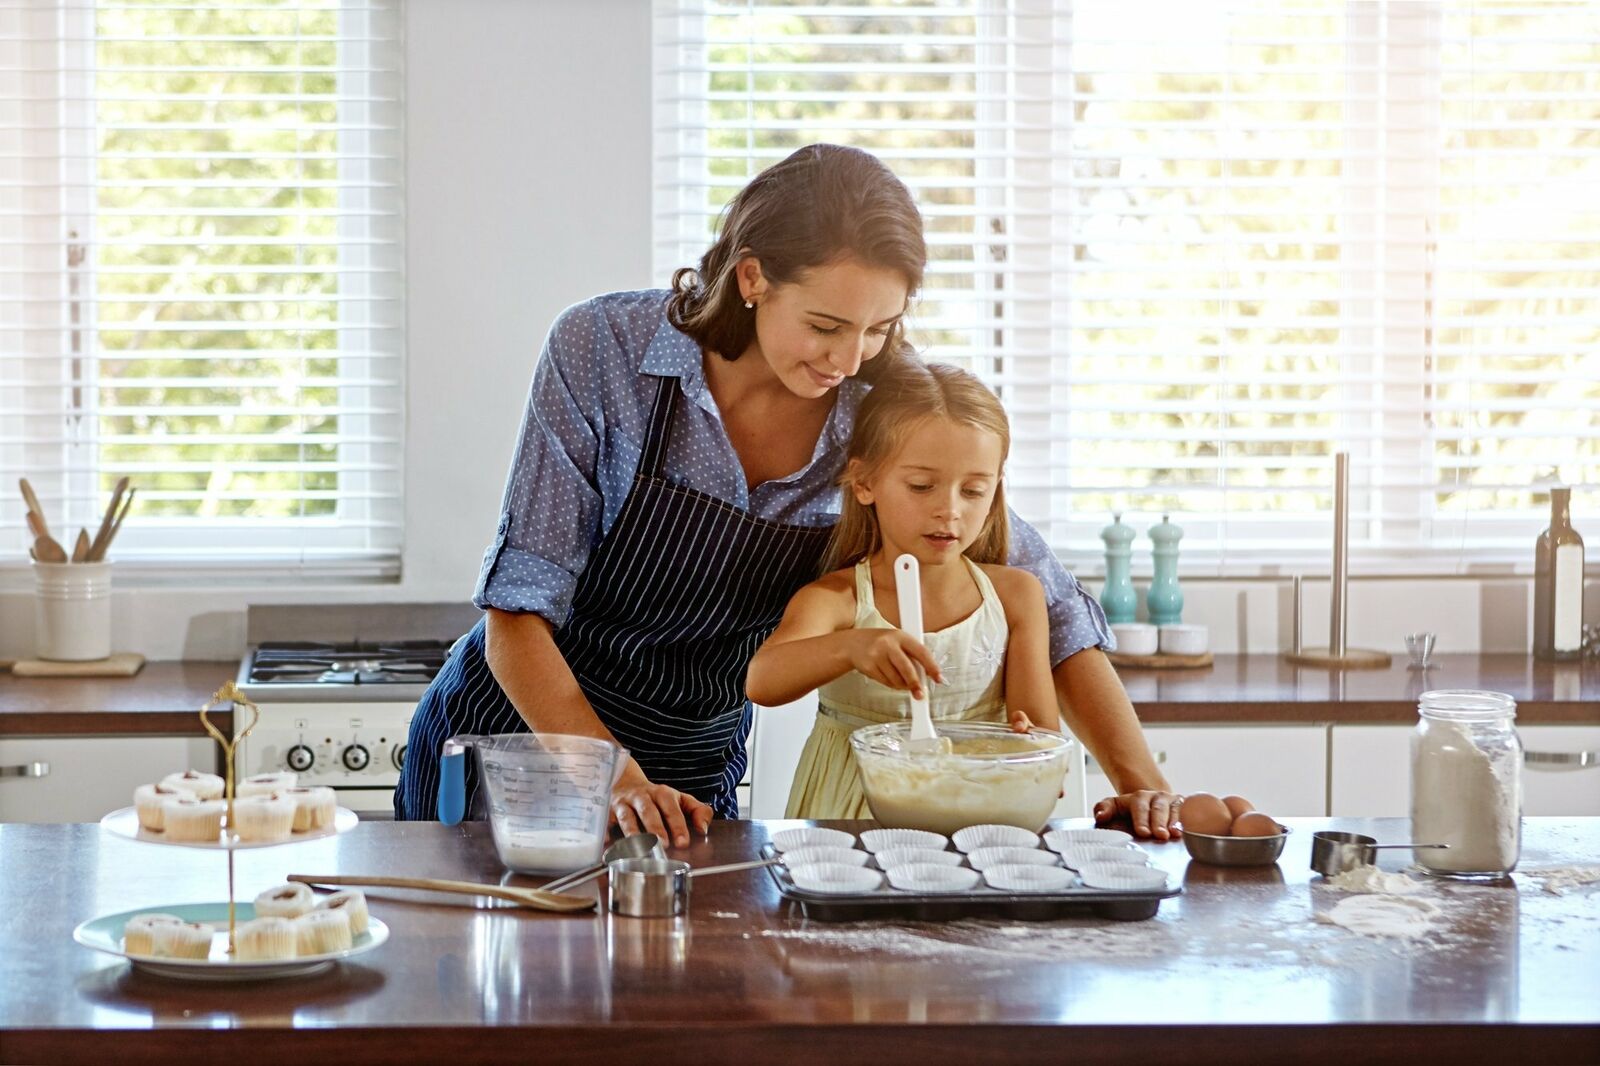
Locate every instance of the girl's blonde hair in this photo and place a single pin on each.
(909, 393)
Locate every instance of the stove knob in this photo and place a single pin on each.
(300, 758)
(399, 756)
(355, 757)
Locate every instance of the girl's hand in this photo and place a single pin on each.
(638, 805)
(1019, 721)
(890, 657)
(1149, 813)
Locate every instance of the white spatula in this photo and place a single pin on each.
(908, 589)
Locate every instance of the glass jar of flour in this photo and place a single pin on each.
(1466, 784)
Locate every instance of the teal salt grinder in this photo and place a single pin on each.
(1118, 599)
(1164, 600)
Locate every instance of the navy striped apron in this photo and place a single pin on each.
(665, 619)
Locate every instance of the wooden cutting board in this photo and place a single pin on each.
(1159, 661)
(122, 664)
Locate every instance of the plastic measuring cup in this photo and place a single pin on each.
(549, 795)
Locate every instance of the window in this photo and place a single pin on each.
(1198, 248)
(200, 226)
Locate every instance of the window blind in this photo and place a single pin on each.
(1198, 248)
(200, 257)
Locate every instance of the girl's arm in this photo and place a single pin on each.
(1030, 695)
(817, 642)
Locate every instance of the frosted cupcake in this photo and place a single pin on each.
(314, 807)
(139, 935)
(286, 901)
(322, 932)
(150, 800)
(262, 784)
(263, 817)
(193, 820)
(264, 938)
(354, 905)
(206, 786)
(181, 940)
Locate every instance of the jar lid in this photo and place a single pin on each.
(1470, 705)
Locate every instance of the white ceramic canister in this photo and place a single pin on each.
(72, 616)
(1466, 783)
(1135, 638)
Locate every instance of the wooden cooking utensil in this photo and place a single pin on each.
(45, 548)
(527, 897)
(98, 553)
(80, 550)
(103, 534)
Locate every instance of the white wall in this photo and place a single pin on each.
(528, 188)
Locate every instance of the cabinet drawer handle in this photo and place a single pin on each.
(27, 769)
(1091, 765)
(1561, 760)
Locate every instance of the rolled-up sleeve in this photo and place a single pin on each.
(551, 512)
(1076, 620)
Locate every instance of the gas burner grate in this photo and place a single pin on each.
(348, 663)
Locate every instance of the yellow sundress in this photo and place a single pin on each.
(971, 654)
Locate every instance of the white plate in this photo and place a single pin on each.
(1028, 878)
(994, 836)
(125, 823)
(105, 934)
(812, 836)
(876, 840)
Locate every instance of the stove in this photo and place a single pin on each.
(336, 686)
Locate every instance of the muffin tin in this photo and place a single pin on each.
(1025, 888)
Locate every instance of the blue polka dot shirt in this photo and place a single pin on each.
(579, 446)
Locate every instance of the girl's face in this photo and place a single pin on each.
(815, 332)
(934, 495)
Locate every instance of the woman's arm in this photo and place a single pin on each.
(1030, 696)
(524, 659)
(817, 642)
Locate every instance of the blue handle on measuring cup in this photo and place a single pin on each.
(452, 786)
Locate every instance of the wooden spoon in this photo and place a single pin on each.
(528, 897)
(80, 550)
(45, 548)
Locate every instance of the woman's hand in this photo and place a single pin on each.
(638, 805)
(891, 657)
(1147, 812)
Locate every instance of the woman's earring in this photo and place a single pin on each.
(749, 306)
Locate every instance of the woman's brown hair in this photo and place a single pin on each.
(908, 393)
(823, 203)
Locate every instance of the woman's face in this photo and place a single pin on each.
(816, 331)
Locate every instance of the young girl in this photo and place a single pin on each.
(922, 477)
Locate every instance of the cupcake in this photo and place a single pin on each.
(286, 901)
(264, 938)
(354, 904)
(261, 784)
(139, 935)
(149, 800)
(181, 940)
(206, 786)
(322, 932)
(313, 807)
(263, 817)
(193, 820)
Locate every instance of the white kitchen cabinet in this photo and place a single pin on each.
(776, 737)
(1372, 770)
(1283, 770)
(78, 779)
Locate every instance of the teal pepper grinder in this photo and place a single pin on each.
(1118, 599)
(1164, 600)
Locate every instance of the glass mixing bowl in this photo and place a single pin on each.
(991, 775)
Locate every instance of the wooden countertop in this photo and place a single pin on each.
(164, 696)
(1235, 969)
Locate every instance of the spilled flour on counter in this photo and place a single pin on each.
(1559, 880)
(1382, 915)
(1372, 879)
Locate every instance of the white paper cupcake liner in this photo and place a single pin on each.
(819, 853)
(1121, 877)
(811, 836)
(926, 877)
(876, 840)
(1061, 839)
(994, 836)
(1077, 858)
(1010, 877)
(888, 860)
(836, 879)
(983, 858)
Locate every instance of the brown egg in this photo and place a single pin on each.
(1205, 814)
(1254, 824)
(1238, 805)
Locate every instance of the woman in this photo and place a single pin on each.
(675, 483)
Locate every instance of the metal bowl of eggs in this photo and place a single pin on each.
(1229, 831)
